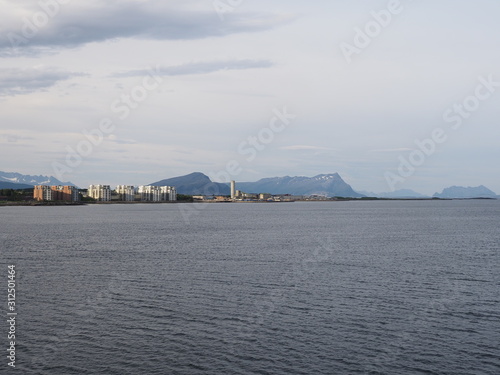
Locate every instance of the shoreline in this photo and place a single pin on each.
(369, 199)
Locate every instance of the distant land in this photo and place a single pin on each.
(195, 183)
(399, 194)
(466, 192)
(14, 180)
(328, 185)
(11, 185)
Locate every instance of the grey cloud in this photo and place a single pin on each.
(15, 81)
(76, 24)
(199, 68)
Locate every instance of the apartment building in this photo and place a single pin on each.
(157, 193)
(56, 193)
(101, 193)
(169, 193)
(42, 193)
(125, 193)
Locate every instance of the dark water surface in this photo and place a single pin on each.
(404, 287)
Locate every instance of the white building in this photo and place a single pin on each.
(233, 189)
(149, 193)
(157, 193)
(169, 193)
(126, 193)
(101, 193)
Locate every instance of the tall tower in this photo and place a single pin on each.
(233, 189)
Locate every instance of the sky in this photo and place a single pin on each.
(395, 94)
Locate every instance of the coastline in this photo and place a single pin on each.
(333, 200)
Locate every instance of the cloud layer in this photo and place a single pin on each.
(15, 81)
(200, 68)
(29, 28)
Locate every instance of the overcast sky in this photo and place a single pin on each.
(179, 86)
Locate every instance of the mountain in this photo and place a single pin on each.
(330, 185)
(11, 185)
(397, 194)
(18, 178)
(466, 192)
(195, 184)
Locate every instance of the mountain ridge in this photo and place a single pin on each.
(30, 180)
(323, 184)
(198, 183)
(14, 186)
(463, 192)
(195, 183)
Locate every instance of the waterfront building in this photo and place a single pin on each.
(233, 189)
(288, 197)
(125, 193)
(157, 193)
(149, 193)
(247, 196)
(222, 198)
(42, 193)
(101, 193)
(169, 193)
(55, 193)
(65, 193)
(203, 197)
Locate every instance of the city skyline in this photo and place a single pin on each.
(308, 185)
(138, 91)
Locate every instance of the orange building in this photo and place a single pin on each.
(55, 193)
(42, 193)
